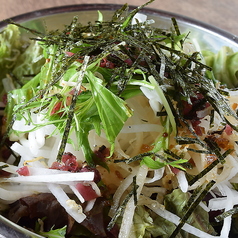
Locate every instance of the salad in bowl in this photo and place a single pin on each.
(118, 128)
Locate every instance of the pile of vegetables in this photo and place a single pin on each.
(118, 129)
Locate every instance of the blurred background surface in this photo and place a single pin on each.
(219, 13)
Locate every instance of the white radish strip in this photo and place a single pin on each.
(204, 207)
(182, 181)
(135, 141)
(158, 173)
(36, 171)
(22, 151)
(67, 83)
(11, 196)
(175, 219)
(234, 179)
(119, 150)
(54, 150)
(24, 141)
(11, 159)
(90, 205)
(95, 188)
(22, 126)
(10, 168)
(126, 226)
(76, 192)
(148, 191)
(150, 93)
(36, 140)
(217, 203)
(31, 145)
(119, 192)
(52, 178)
(26, 187)
(141, 128)
(140, 17)
(71, 207)
(234, 197)
(127, 220)
(229, 171)
(229, 205)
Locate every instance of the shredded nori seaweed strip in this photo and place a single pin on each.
(197, 139)
(177, 30)
(212, 118)
(135, 187)
(71, 113)
(187, 140)
(210, 167)
(216, 150)
(194, 195)
(204, 172)
(161, 114)
(225, 214)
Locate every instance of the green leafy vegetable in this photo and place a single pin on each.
(112, 110)
(224, 65)
(143, 222)
(19, 60)
(10, 44)
(57, 233)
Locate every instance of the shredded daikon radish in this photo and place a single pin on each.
(23, 151)
(138, 17)
(38, 171)
(20, 125)
(141, 128)
(12, 196)
(28, 187)
(120, 151)
(204, 207)
(95, 188)
(127, 219)
(73, 209)
(229, 205)
(182, 180)
(148, 191)
(157, 175)
(119, 192)
(89, 205)
(10, 168)
(52, 178)
(229, 169)
(76, 192)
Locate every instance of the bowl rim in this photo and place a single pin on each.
(112, 7)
